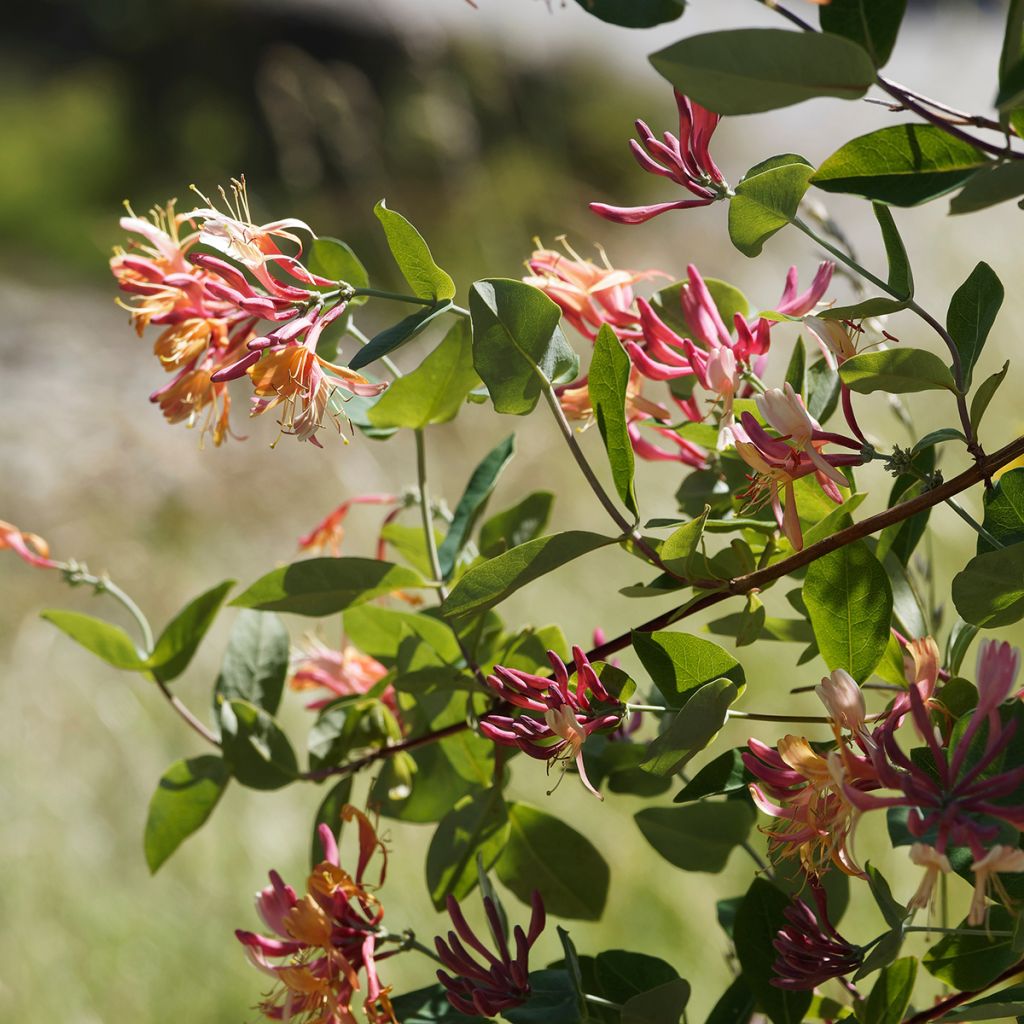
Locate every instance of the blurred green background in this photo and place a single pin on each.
(487, 128)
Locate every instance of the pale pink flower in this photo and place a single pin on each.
(934, 864)
(997, 860)
(29, 547)
(843, 699)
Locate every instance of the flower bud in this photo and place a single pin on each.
(843, 699)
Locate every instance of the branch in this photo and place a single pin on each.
(941, 1008)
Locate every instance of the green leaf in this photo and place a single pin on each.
(898, 371)
(185, 797)
(621, 975)
(989, 591)
(489, 583)
(973, 958)
(607, 382)
(766, 200)
(634, 13)
(425, 277)
(436, 390)
(750, 70)
(335, 260)
(988, 187)
(697, 837)
(1007, 1003)
(972, 312)
(692, 729)
(346, 725)
(822, 390)
(544, 853)
(257, 752)
(736, 1005)
(679, 664)
(1004, 510)
(902, 165)
(516, 525)
(105, 640)
(396, 336)
(891, 993)
(874, 24)
(849, 602)
(680, 552)
(379, 632)
(728, 300)
(477, 826)
(256, 661)
(323, 586)
(183, 634)
(725, 774)
(518, 347)
(473, 502)
(663, 1004)
(553, 1000)
(894, 913)
(758, 920)
(985, 393)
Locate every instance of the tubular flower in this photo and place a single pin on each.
(685, 160)
(487, 984)
(328, 533)
(321, 942)
(934, 864)
(29, 547)
(843, 699)
(986, 869)
(343, 673)
(588, 294)
(835, 338)
(810, 950)
(776, 466)
(558, 717)
(998, 665)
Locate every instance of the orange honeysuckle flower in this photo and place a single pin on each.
(341, 673)
(328, 533)
(188, 395)
(29, 547)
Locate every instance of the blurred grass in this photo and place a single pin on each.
(483, 151)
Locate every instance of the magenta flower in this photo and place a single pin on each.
(810, 950)
(487, 984)
(558, 718)
(998, 665)
(684, 160)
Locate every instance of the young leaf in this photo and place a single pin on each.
(412, 255)
(972, 312)
(898, 371)
(750, 70)
(105, 640)
(544, 853)
(489, 583)
(256, 750)
(185, 797)
(477, 826)
(256, 661)
(396, 336)
(607, 382)
(699, 836)
(323, 586)
(989, 591)
(518, 347)
(473, 502)
(436, 390)
(335, 260)
(902, 165)
(679, 664)
(985, 393)
(874, 24)
(516, 525)
(766, 200)
(891, 993)
(849, 602)
(182, 635)
(634, 13)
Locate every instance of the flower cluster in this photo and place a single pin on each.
(210, 309)
(487, 984)
(558, 717)
(323, 941)
(343, 673)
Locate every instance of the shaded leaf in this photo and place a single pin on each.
(255, 662)
(972, 312)
(516, 525)
(607, 381)
(698, 837)
(679, 664)
(874, 24)
(256, 750)
(395, 337)
(989, 591)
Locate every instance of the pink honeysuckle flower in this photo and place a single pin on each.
(328, 533)
(343, 673)
(558, 717)
(934, 864)
(998, 665)
(685, 160)
(777, 465)
(836, 339)
(484, 984)
(29, 547)
(588, 294)
(323, 941)
(986, 870)
(809, 949)
(794, 303)
(843, 699)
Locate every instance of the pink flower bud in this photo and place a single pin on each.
(843, 699)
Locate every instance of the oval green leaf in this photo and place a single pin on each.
(700, 836)
(412, 255)
(256, 660)
(607, 382)
(766, 200)
(989, 592)
(256, 750)
(898, 371)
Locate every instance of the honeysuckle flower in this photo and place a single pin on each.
(343, 673)
(588, 294)
(685, 160)
(934, 864)
(328, 533)
(810, 950)
(843, 699)
(835, 339)
(997, 860)
(323, 941)
(558, 717)
(29, 547)
(776, 466)
(485, 984)
(998, 665)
